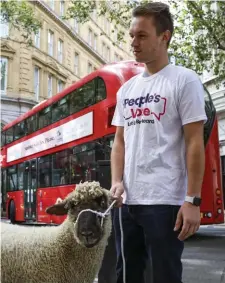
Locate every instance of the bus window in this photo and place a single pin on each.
(33, 178)
(45, 171)
(3, 138)
(20, 130)
(74, 102)
(109, 140)
(81, 165)
(100, 90)
(87, 93)
(210, 112)
(12, 178)
(9, 135)
(60, 168)
(82, 97)
(45, 118)
(22, 184)
(111, 111)
(60, 109)
(31, 124)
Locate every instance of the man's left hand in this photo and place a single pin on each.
(189, 219)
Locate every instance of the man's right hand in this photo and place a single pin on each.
(116, 191)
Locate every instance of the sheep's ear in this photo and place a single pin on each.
(58, 209)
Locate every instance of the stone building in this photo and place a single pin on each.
(62, 53)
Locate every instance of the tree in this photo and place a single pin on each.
(198, 41)
(199, 37)
(20, 16)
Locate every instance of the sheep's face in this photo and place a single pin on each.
(88, 230)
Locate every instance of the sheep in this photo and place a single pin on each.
(69, 253)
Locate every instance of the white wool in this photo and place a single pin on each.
(51, 254)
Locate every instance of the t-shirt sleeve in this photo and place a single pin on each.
(118, 118)
(191, 104)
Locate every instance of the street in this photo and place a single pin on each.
(204, 256)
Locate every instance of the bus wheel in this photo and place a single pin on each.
(12, 212)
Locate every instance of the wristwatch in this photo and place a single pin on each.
(194, 200)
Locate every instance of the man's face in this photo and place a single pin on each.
(146, 45)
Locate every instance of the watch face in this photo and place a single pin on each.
(197, 201)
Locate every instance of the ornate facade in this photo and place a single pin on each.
(62, 53)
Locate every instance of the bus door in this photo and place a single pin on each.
(30, 190)
(3, 193)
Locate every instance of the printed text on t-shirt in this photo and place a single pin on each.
(147, 111)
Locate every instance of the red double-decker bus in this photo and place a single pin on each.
(58, 143)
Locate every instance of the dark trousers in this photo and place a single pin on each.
(149, 239)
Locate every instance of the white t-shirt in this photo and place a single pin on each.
(152, 111)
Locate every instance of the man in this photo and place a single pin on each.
(157, 159)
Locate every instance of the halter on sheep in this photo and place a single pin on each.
(103, 215)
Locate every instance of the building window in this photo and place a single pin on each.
(106, 26)
(108, 54)
(115, 35)
(76, 25)
(62, 6)
(37, 38)
(95, 42)
(90, 34)
(94, 14)
(117, 58)
(52, 4)
(60, 86)
(4, 74)
(60, 50)
(90, 68)
(4, 28)
(49, 85)
(36, 82)
(103, 49)
(50, 42)
(76, 63)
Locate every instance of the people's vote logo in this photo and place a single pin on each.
(145, 106)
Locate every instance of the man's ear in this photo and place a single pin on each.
(58, 209)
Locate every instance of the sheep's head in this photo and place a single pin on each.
(88, 195)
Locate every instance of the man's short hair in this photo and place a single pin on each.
(160, 12)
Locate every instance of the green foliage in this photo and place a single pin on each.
(199, 37)
(20, 16)
(198, 41)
